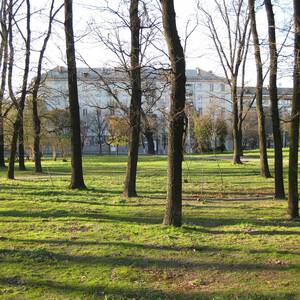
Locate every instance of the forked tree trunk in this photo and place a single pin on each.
(135, 104)
(36, 86)
(293, 205)
(264, 166)
(279, 183)
(173, 211)
(77, 181)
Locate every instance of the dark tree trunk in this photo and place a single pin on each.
(237, 143)
(264, 166)
(150, 142)
(135, 104)
(13, 151)
(21, 145)
(279, 183)
(36, 142)
(173, 211)
(4, 46)
(18, 124)
(77, 181)
(100, 145)
(293, 201)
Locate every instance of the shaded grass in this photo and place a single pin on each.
(57, 243)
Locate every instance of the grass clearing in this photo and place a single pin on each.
(57, 243)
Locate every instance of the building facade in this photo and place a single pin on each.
(104, 95)
(106, 92)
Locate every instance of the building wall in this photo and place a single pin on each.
(205, 92)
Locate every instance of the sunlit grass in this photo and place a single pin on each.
(57, 243)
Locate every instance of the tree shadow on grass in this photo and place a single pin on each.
(111, 292)
(31, 190)
(245, 231)
(66, 214)
(145, 218)
(45, 256)
(158, 247)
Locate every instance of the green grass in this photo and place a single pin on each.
(57, 243)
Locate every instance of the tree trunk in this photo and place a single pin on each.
(36, 142)
(173, 211)
(264, 166)
(100, 145)
(278, 163)
(77, 181)
(293, 205)
(150, 142)
(13, 151)
(135, 104)
(236, 133)
(21, 146)
(4, 46)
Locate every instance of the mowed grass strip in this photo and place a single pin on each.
(57, 243)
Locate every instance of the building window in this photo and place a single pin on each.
(211, 87)
(222, 87)
(84, 112)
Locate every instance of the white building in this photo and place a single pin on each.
(108, 91)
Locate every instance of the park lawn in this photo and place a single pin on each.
(57, 243)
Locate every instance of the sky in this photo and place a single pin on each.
(200, 51)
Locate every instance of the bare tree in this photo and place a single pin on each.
(279, 184)
(3, 64)
(173, 211)
(236, 21)
(18, 124)
(135, 72)
(135, 102)
(77, 181)
(264, 165)
(293, 198)
(35, 90)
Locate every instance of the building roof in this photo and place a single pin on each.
(281, 91)
(200, 74)
(60, 72)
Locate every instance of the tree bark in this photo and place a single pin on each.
(237, 144)
(278, 163)
(264, 166)
(135, 104)
(77, 181)
(13, 151)
(4, 46)
(21, 143)
(293, 198)
(173, 211)
(150, 141)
